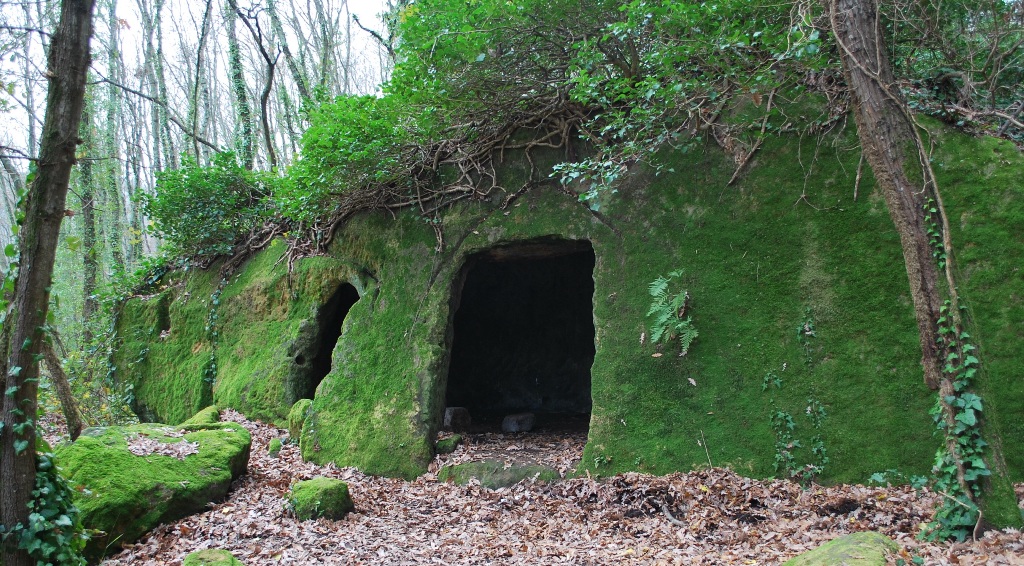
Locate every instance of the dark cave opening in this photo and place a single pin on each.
(523, 334)
(329, 321)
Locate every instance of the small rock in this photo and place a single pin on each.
(519, 422)
(457, 419)
(858, 549)
(274, 448)
(448, 445)
(211, 557)
(297, 416)
(321, 497)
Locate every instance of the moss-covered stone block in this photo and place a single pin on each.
(320, 497)
(493, 474)
(448, 445)
(274, 448)
(297, 416)
(858, 549)
(130, 479)
(211, 557)
(207, 416)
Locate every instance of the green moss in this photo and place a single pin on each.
(297, 416)
(208, 415)
(790, 242)
(858, 549)
(320, 497)
(493, 474)
(448, 445)
(274, 448)
(126, 495)
(211, 557)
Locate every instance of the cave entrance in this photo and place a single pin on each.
(523, 335)
(329, 319)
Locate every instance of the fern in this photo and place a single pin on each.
(669, 310)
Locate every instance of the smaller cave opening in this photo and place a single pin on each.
(329, 320)
(522, 335)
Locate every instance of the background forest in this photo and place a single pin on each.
(211, 128)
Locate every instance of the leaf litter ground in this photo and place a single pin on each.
(704, 517)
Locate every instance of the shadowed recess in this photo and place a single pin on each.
(523, 336)
(329, 320)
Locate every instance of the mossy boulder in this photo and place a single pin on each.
(208, 415)
(211, 557)
(320, 497)
(448, 445)
(296, 416)
(858, 549)
(129, 479)
(274, 448)
(493, 474)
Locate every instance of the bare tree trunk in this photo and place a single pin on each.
(193, 117)
(68, 64)
(59, 379)
(298, 74)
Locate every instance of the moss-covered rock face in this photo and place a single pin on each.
(320, 497)
(257, 342)
(797, 287)
(858, 549)
(133, 478)
(493, 474)
(211, 557)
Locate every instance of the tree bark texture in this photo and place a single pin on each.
(886, 131)
(59, 380)
(68, 64)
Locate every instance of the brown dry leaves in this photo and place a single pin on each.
(727, 519)
(142, 445)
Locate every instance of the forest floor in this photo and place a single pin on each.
(713, 516)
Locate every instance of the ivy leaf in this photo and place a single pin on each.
(20, 446)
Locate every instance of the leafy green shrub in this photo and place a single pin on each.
(205, 210)
(352, 142)
(668, 310)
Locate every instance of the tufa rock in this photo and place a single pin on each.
(211, 557)
(448, 445)
(493, 474)
(130, 479)
(321, 497)
(519, 422)
(297, 416)
(858, 549)
(208, 415)
(457, 419)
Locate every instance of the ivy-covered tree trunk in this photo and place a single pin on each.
(887, 131)
(22, 334)
(90, 253)
(244, 137)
